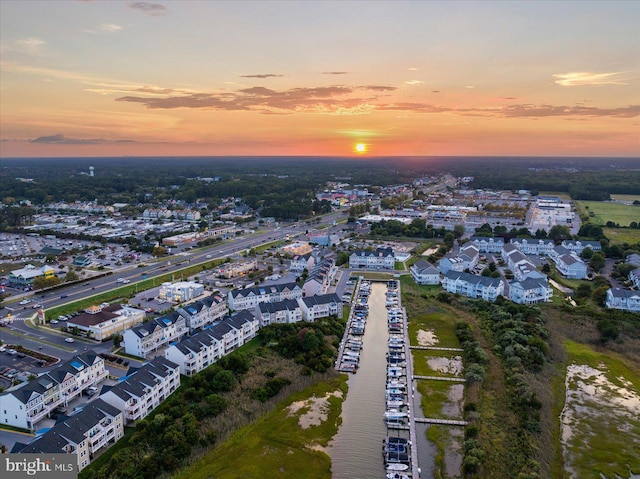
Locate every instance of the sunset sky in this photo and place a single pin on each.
(111, 78)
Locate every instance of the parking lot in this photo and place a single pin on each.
(15, 365)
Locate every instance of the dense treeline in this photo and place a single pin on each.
(519, 338)
(313, 345)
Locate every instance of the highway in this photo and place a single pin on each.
(52, 342)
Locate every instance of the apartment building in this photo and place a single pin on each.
(287, 311)
(380, 259)
(540, 247)
(180, 291)
(300, 262)
(568, 263)
(249, 298)
(626, 299)
(203, 312)
(424, 272)
(98, 426)
(530, 291)
(320, 277)
(154, 334)
(28, 403)
(142, 390)
(487, 244)
(466, 259)
(321, 306)
(473, 286)
(578, 245)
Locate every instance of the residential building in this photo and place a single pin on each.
(319, 279)
(195, 353)
(466, 259)
(424, 272)
(101, 323)
(380, 259)
(142, 390)
(154, 334)
(203, 312)
(473, 286)
(98, 426)
(287, 311)
(249, 298)
(634, 259)
(578, 245)
(28, 403)
(321, 306)
(541, 247)
(451, 263)
(527, 270)
(488, 244)
(300, 262)
(634, 277)
(180, 291)
(23, 278)
(530, 291)
(626, 299)
(569, 263)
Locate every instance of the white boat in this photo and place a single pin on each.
(397, 475)
(395, 414)
(396, 467)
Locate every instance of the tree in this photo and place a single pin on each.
(458, 231)
(559, 233)
(448, 239)
(597, 262)
(586, 253)
(159, 251)
(71, 275)
(599, 295)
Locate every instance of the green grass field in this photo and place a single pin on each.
(622, 235)
(276, 445)
(603, 211)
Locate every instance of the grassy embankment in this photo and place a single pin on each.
(599, 212)
(277, 444)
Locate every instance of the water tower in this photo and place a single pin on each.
(91, 171)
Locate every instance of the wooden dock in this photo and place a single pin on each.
(446, 422)
(440, 378)
(436, 348)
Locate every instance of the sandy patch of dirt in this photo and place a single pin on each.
(430, 251)
(452, 366)
(427, 338)
(314, 410)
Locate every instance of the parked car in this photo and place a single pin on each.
(54, 321)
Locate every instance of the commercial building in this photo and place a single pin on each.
(101, 323)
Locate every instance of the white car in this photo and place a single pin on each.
(54, 321)
(24, 301)
(69, 340)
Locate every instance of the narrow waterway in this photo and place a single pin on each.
(356, 450)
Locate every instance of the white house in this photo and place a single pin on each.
(578, 245)
(154, 334)
(142, 390)
(451, 263)
(466, 259)
(380, 259)
(249, 298)
(623, 299)
(203, 312)
(530, 291)
(569, 263)
(488, 244)
(28, 403)
(287, 311)
(321, 306)
(473, 286)
(300, 262)
(424, 272)
(180, 291)
(634, 277)
(319, 279)
(98, 426)
(535, 246)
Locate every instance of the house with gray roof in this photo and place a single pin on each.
(203, 312)
(424, 272)
(473, 286)
(287, 311)
(487, 244)
(142, 390)
(626, 299)
(86, 434)
(320, 277)
(541, 247)
(154, 334)
(530, 291)
(380, 259)
(249, 298)
(578, 245)
(28, 403)
(568, 263)
(300, 262)
(320, 306)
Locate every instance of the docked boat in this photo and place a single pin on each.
(396, 467)
(396, 475)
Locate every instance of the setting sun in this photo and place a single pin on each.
(361, 148)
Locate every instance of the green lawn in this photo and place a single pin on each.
(603, 211)
(622, 235)
(442, 325)
(276, 445)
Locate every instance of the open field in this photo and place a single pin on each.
(286, 443)
(601, 211)
(631, 198)
(622, 235)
